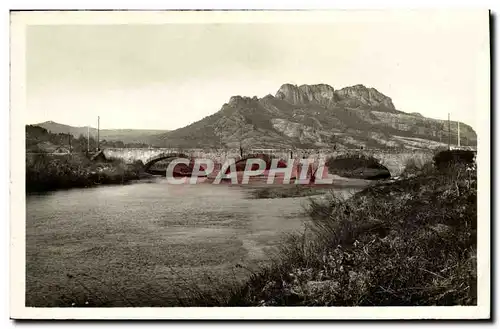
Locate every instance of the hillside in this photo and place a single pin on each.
(315, 116)
(124, 135)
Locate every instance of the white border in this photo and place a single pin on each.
(19, 311)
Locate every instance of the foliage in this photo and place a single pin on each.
(442, 160)
(445, 159)
(416, 166)
(50, 172)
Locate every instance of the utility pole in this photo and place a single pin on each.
(458, 129)
(69, 139)
(98, 128)
(449, 132)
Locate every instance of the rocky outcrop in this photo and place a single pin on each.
(320, 94)
(325, 95)
(238, 100)
(291, 94)
(360, 95)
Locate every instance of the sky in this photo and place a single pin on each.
(166, 76)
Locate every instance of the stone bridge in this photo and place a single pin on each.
(395, 161)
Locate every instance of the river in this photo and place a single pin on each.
(148, 243)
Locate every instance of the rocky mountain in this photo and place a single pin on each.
(124, 135)
(316, 116)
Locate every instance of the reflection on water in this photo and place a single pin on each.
(147, 241)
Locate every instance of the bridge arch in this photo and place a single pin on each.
(240, 164)
(162, 156)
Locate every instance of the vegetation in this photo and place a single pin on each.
(442, 160)
(46, 172)
(445, 159)
(410, 242)
(416, 166)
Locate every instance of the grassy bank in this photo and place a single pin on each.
(409, 242)
(46, 172)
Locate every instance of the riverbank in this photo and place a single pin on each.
(45, 172)
(408, 242)
(303, 190)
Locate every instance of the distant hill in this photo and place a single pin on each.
(315, 116)
(124, 135)
(38, 139)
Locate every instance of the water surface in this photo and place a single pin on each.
(148, 244)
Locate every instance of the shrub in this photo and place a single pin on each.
(449, 158)
(47, 172)
(416, 166)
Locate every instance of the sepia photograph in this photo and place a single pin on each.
(231, 164)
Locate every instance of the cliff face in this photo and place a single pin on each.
(316, 116)
(305, 94)
(325, 95)
(360, 95)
